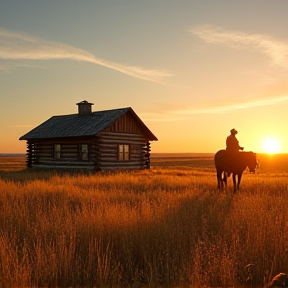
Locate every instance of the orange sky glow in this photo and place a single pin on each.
(191, 79)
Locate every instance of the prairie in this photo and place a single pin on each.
(168, 226)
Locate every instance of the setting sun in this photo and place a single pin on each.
(271, 145)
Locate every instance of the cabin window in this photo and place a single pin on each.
(57, 151)
(123, 152)
(84, 152)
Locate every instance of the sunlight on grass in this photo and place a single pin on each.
(168, 224)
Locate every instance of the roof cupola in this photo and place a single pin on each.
(84, 108)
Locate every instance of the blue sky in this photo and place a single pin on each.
(191, 70)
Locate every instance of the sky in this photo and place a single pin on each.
(191, 70)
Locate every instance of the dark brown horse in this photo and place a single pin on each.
(234, 163)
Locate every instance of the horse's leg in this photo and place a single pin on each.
(234, 182)
(225, 180)
(219, 180)
(239, 180)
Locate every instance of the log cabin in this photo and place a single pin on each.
(101, 140)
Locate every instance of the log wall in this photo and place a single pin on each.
(102, 155)
(108, 150)
(69, 154)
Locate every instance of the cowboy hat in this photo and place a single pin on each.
(233, 131)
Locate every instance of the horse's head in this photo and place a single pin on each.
(253, 163)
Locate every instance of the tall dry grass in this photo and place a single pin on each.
(168, 224)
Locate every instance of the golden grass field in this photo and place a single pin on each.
(169, 225)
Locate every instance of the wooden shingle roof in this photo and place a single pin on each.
(76, 125)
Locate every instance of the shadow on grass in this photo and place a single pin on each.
(40, 174)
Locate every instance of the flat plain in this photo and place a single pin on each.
(166, 227)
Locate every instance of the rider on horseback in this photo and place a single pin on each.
(232, 144)
(232, 147)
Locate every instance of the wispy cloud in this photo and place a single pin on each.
(16, 46)
(180, 113)
(275, 49)
(219, 108)
(11, 65)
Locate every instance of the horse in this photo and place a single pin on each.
(235, 163)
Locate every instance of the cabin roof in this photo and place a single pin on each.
(76, 125)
